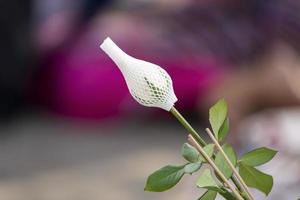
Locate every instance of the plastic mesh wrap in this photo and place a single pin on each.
(149, 84)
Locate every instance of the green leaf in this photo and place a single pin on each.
(208, 195)
(211, 194)
(190, 153)
(192, 167)
(255, 178)
(217, 116)
(221, 162)
(209, 150)
(164, 178)
(258, 156)
(224, 130)
(206, 180)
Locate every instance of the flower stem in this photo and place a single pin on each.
(239, 178)
(187, 126)
(213, 165)
(197, 137)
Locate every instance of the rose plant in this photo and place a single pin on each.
(219, 169)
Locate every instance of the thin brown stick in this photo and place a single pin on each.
(213, 165)
(246, 189)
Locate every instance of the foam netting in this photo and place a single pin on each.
(149, 84)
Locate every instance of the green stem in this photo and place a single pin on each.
(197, 137)
(239, 187)
(235, 181)
(187, 126)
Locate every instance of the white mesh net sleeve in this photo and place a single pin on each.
(149, 84)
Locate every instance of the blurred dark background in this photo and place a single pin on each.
(16, 54)
(69, 128)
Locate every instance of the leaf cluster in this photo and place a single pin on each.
(168, 176)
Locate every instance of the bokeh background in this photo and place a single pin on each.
(69, 129)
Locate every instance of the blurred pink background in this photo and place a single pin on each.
(67, 116)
